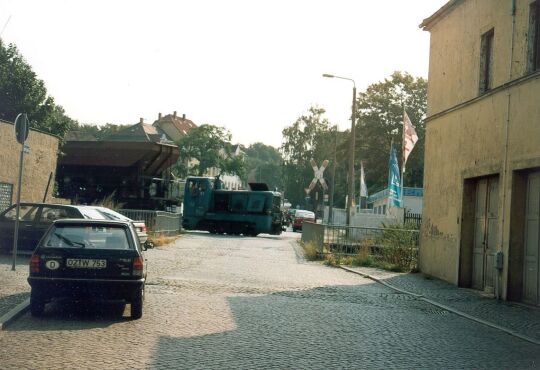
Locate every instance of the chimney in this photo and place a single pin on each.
(141, 120)
(184, 116)
(174, 114)
(159, 117)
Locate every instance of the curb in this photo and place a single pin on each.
(14, 313)
(446, 308)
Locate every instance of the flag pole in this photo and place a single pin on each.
(402, 154)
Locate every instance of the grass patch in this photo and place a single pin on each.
(310, 251)
(163, 240)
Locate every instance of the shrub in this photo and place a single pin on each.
(310, 251)
(399, 247)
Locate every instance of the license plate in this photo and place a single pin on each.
(86, 263)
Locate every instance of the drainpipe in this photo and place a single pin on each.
(498, 267)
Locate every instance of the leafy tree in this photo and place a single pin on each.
(100, 132)
(380, 121)
(263, 164)
(210, 146)
(307, 138)
(22, 92)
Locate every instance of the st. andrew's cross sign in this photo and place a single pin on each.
(318, 175)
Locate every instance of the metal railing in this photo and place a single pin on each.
(393, 244)
(157, 222)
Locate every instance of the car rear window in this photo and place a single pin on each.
(88, 236)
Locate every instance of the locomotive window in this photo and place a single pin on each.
(255, 203)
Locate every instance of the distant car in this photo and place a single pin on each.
(35, 219)
(300, 216)
(88, 259)
(140, 226)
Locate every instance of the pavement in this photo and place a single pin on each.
(216, 302)
(515, 317)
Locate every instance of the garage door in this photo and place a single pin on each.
(531, 286)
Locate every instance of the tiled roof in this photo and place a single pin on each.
(182, 124)
(140, 132)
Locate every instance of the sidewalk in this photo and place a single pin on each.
(14, 288)
(516, 317)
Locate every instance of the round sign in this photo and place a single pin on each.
(52, 264)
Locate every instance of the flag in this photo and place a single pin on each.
(363, 187)
(409, 137)
(394, 187)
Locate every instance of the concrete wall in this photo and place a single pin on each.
(38, 164)
(467, 134)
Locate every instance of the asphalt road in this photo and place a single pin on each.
(224, 302)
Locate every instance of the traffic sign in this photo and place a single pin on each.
(22, 125)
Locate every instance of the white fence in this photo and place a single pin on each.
(363, 219)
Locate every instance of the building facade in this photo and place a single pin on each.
(481, 208)
(412, 201)
(39, 165)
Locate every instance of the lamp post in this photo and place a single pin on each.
(350, 195)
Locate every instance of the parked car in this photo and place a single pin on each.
(140, 225)
(35, 219)
(88, 259)
(300, 216)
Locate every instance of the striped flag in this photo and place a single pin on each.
(409, 137)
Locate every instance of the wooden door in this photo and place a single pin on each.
(485, 233)
(531, 288)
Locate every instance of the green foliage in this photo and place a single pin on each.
(211, 147)
(380, 120)
(399, 246)
(22, 92)
(100, 132)
(309, 137)
(263, 164)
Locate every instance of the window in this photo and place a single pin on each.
(486, 61)
(6, 191)
(534, 37)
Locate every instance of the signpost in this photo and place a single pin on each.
(22, 125)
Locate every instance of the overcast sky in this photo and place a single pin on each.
(250, 66)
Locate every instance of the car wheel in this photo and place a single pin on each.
(137, 304)
(37, 304)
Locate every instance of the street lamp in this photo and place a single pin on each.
(350, 195)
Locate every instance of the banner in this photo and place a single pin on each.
(363, 187)
(409, 138)
(394, 188)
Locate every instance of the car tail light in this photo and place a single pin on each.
(143, 228)
(34, 263)
(138, 266)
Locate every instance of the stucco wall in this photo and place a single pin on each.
(467, 140)
(38, 164)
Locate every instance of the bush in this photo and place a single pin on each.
(399, 247)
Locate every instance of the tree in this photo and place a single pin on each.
(100, 132)
(22, 92)
(263, 164)
(309, 137)
(380, 121)
(210, 146)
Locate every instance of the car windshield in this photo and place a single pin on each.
(92, 214)
(87, 236)
(112, 215)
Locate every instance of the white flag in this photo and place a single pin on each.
(363, 187)
(409, 137)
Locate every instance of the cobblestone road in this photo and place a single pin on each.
(217, 302)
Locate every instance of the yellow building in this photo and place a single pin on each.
(482, 160)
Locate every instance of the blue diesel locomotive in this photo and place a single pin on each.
(208, 207)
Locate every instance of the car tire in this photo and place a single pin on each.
(137, 304)
(37, 304)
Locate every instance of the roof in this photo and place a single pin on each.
(140, 132)
(182, 124)
(80, 136)
(429, 22)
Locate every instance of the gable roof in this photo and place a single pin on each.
(182, 124)
(140, 132)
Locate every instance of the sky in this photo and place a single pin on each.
(251, 66)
